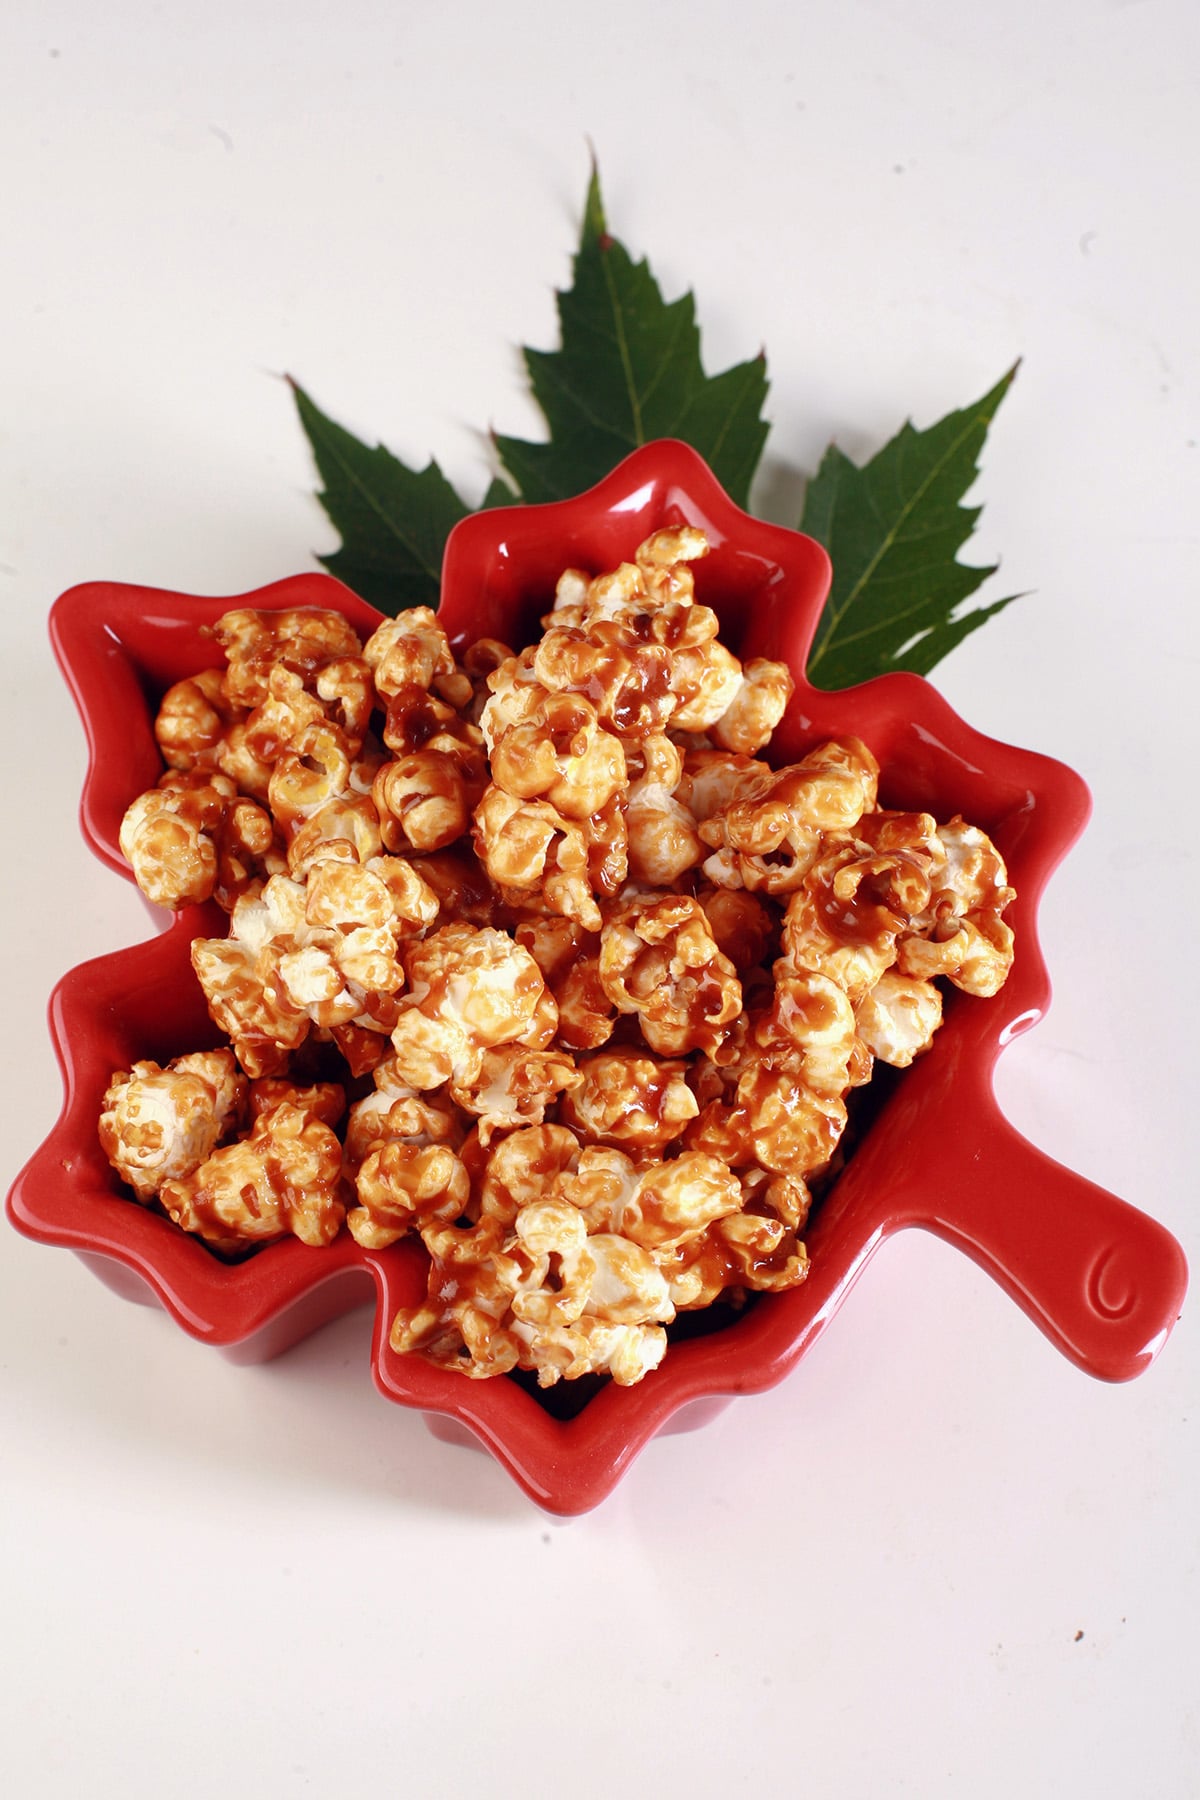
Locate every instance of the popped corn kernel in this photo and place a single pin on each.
(812, 1022)
(850, 908)
(625, 1098)
(169, 836)
(515, 1087)
(313, 770)
(282, 717)
(791, 1128)
(262, 1023)
(468, 991)
(193, 719)
(771, 833)
(403, 1186)
(528, 846)
(560, 753)
(285, 1176)
(161, 1123)
(706, 680)
(409, 651)
(586, 1015)
(396, 1111)
(962, 933)
(743, 1250)
(756, 708)
(558, 1266)
(662, 836)
(628, 684)
(897, 1018)
(347, 692)
(591, 1347)
(420, 802)
(659, 960)
(346, 827)
(673, 1201)
(300, 638)
(524, 1165)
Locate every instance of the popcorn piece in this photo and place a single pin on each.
(714, 780)
(514, 693)
(852, 905)
(397, 1112)
(559, 753)
(284, 1177)
(480, 660)
(281, 718)
(262, 1022)
(660, 961)
(168, 837)
(569, 959)
(324, 953)
(812, 1022)
(469, 991)
(346, 827)
(312, 771)
(527, 845)
(520, 1169)
(897, 1018)
(404, 1186)
(586, 1015)
(557, 1278)
(628, 684)
(742, 1250)
(302, 639)
(706, 681)
(662, 836)
(421, 801)
(161, 1124)
(193, 719)
(409, 651)
(592, 1347)
(673, 1201)
(514, 1087)
(347, 693)
(792, 1129)
(962, 934)
(624, 1098)
(756, 709)
(770, 835)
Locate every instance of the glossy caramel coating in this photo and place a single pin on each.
(613, 972)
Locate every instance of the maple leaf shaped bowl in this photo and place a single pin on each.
(1102, 1280)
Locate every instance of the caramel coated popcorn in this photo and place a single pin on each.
(535, 957)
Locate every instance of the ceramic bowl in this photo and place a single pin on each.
(1103, 1281)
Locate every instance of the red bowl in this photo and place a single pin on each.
(1102, 1280)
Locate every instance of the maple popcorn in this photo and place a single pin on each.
(605, 974)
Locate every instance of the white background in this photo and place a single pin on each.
(874, 1580)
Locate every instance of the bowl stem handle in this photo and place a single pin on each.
(1104, 1281)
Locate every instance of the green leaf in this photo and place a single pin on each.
(499, 494)
(629, 370)
(893, 529)
(394, 520)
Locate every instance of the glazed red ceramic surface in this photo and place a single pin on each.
(1103, 1281)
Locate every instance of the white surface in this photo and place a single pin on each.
(874, 1580)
